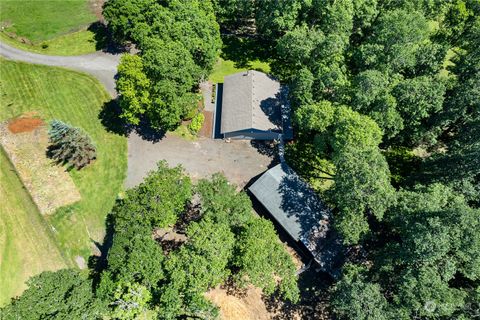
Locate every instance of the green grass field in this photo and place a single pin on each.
(55, 27)
(226, 67)
(27, 243)
(240, 54)
(75, 98)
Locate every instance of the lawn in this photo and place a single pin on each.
(27, 243)
(226, 67)
(240, 54)
(50, 27)
(77, 99)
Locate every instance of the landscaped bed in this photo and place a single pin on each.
(25, 141)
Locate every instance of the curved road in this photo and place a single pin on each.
(101, 65)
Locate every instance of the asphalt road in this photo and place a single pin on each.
(101, 65)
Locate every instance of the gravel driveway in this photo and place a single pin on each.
(101, 65)
(238, 160)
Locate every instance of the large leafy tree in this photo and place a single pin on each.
(179, 42)
(64, 294)
(349, 141)
(221, 241)
(429, 265)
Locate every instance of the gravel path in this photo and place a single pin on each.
(101, 65)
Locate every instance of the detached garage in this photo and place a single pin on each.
(254, 106)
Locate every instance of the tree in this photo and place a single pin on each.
(157, 201)
(70, 145)
(371, 95)
(396, 37)
(133, 86)
(418, 99)
(361, 175)
(275, 18)
(131, 300)
(357, 298)
(63, 294)
(263, 261)
(179, 42)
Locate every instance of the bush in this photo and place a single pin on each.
(70, 145)
(197, 123)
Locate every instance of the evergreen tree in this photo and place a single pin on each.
(70, 145)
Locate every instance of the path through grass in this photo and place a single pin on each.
(27, 244)
(75, 98)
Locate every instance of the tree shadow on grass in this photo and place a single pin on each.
(110, 117)
(104, 40)
(111, 120)
(98, 263)
(243, 50)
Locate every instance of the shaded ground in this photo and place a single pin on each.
(238, 160)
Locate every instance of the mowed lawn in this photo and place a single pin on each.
(77, 99)
(50, 27)
(27, 243)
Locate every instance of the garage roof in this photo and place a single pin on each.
(301, 213)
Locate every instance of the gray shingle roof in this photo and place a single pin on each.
(299, 210)
(251, 100)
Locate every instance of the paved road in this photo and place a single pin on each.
(101, 65)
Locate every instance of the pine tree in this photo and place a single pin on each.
(70, 145)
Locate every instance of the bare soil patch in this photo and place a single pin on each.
(25, 141)
(23, 124)
(206, 130)
(248, 306)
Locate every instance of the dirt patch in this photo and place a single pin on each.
(49, 185)
(206, 130)
(249, 306)
(24, 124)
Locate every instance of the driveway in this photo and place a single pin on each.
(101, 65)
(238, 160)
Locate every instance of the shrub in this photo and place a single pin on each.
(197, 123)
(70, 145)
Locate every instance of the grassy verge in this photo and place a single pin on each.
(240, 54)
(226, 67)
(27, 244)
(75, 98)
(48, 26)
(72, 44)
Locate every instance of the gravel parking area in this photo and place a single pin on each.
(238, 160)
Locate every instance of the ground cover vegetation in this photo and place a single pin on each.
(178, 43)
(77, 99)
(171, 242)
(49, 27)
(385, 96)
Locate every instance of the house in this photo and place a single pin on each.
(253, 106)
(300, 212)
